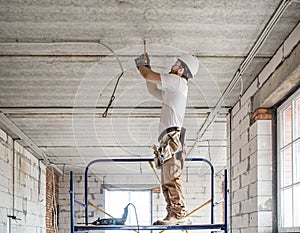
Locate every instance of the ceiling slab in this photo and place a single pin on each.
(59, 66)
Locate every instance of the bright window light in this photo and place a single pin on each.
(288, 122)
(117, 200)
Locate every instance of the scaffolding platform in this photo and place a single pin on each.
(150, 227)
(87, 227)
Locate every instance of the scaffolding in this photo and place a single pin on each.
(87, 227)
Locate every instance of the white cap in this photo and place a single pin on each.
(191, 62)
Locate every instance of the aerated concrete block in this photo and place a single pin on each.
(248, 206)
(241, 221)
(3, 135)
(240, 195)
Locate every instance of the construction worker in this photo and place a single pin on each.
(172, 90)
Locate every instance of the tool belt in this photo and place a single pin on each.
(171, 141)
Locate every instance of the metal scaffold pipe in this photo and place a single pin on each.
(242, 68)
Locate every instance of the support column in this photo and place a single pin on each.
(251, 173)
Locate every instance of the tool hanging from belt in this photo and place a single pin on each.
(171, 142)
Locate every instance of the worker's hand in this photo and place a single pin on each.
(142, 60)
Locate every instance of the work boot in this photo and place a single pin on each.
(170, 220)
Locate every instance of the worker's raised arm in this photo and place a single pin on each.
(143, 64)
(149, 75)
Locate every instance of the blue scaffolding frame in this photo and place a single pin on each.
(87, 227)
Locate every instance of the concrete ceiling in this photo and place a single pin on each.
(57, 72)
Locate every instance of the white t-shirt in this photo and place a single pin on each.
(174, 98)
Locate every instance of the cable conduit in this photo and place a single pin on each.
(258, 44)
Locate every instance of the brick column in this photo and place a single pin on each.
(51, 189)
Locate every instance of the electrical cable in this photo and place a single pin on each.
(112, 98)
(242, 85)
(209, 154)
(136, 217)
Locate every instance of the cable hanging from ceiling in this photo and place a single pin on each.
(112, 98)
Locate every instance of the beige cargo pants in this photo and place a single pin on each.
(172, 184)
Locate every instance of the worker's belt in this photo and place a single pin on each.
(168, 130)
(171, 141)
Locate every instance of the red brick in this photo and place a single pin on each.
(50, 227)
(261, 114)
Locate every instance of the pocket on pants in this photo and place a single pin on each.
(174, 170)
(171, 170)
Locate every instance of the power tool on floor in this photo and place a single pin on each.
(113, 221)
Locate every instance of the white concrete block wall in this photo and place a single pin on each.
(250, 170)
(197, 191)
(29, 189)
(250, 155)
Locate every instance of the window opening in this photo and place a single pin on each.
(289, 164)
(116, 200)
